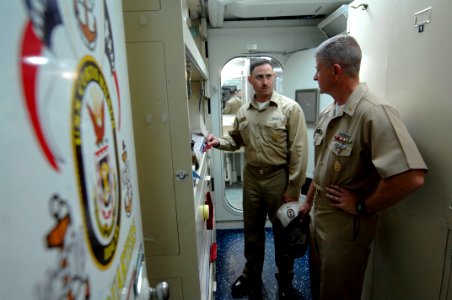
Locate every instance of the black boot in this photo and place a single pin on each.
(286, 289)
(245, 286)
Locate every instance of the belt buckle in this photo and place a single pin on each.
(261, 171)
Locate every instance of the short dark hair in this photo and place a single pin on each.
(259, 62)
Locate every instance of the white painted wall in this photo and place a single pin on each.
(412, 70)
(298, 74)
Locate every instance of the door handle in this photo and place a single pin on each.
(141, 284)
(160, 292)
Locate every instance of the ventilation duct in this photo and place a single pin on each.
(216, 11)
(335, 23)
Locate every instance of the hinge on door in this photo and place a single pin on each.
(181, 175)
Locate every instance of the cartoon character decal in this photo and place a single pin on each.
(87, 22)
(67, 279)
(126, 182)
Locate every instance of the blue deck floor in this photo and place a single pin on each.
(231, 260)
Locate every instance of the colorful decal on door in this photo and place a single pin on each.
(126, 182)
(120, 278)
(44, 18)
(110, 52)
(101, 162)
(68, 279)
(86, 21)
(96, 160)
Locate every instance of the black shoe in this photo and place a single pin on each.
(287, 292)
(286, 289)
(245, 286)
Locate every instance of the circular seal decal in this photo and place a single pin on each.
(96, 160)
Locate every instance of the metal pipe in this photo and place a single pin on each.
(363, 6)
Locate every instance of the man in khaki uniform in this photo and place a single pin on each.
(272, 129)
(232, 105)
(365, 161)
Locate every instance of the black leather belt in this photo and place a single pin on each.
(263, 170)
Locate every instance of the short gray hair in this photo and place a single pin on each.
(343, 50)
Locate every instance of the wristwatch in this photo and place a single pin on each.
(361, 208)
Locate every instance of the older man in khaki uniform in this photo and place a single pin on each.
(365, 161)
(272, 129)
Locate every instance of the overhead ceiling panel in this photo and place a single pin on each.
(267, 9)
(228, 10)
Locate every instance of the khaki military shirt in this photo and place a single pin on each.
(365, 142)
(275, 135)
(232, 106)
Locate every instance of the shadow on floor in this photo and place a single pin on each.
(231, 260)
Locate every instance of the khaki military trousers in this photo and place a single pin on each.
(340, 248)
(262, 192)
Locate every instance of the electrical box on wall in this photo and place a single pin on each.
(309, 102)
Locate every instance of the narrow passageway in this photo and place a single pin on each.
(231, 260)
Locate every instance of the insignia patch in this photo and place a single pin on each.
(342, 140)
(96, 152)
(337, 166)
